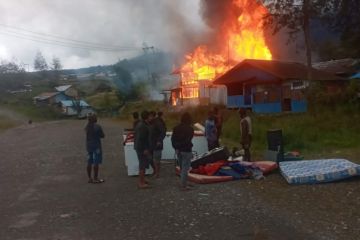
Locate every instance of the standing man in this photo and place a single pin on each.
(218, 121)
(245, 128)
(157, 135)
(94, 133)
(136, 119)
(211, 132)
(181, 140)
(142, 147)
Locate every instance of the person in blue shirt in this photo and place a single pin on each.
(211, 132)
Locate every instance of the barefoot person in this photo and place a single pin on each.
(142, 147)
(181, 140)
(94, 133)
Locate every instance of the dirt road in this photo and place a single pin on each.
(44, 194)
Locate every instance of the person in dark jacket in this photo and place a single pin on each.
(181, 140)
(245, 129)
(142, 147)
(94, 133)
(157, 135)
(136, 119)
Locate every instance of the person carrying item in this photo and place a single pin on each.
(211, 132)
(157, 135)
(245, 129)
(142, 147)
(181, 140)
(94, 133)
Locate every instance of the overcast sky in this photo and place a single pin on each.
(169, 25)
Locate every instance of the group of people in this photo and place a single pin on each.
(149, 134)
(213, 128)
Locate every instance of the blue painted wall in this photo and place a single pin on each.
(235, 101)
(238, 101)
(298, 105)
(267, 107)
(61, 97)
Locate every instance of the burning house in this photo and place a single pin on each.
(239, 36)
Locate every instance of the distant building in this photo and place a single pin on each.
(196, 90)
(50, 98)
(273, 86)
(75, 108)
(340, 67)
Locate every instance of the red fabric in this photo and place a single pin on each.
(130, 137)
(211, 168)
(204, 179)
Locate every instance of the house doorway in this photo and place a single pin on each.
(286, 105)
(247, 95)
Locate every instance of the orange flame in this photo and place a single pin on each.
(240, 38)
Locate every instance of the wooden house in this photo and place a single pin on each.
(272, 86)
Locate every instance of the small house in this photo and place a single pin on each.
(50, 98)
(339, 67)
(75, 108)
(272, 86)
(195, 89)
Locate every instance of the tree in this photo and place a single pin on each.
(346, 20)
(40, 62)
(341, 16)
(56, 64)
(295, 16)
(10, 68)
(56, 67)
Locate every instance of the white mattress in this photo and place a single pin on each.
(317, 171)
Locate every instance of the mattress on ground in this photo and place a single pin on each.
(205, 179)
(318, 171)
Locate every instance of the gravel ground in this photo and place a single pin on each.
(44, 194)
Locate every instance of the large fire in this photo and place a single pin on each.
(241, 37)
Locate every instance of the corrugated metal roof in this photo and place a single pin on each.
(63, 88)
(279, 69)
(46, 95)
(339, 66)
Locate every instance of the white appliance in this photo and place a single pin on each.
(168, 153)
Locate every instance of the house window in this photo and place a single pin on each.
(298, 85)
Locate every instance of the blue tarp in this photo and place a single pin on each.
(356, 76)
